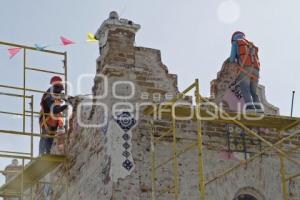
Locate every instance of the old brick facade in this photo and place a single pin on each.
(92, 173)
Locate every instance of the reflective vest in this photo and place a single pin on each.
(248, 54)
(50, 120)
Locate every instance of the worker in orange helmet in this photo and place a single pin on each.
(245, 54)
(51, 117)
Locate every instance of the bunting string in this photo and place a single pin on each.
(64, 41)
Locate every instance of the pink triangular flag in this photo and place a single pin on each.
(13, 51)
(66, 41)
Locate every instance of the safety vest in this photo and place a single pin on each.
(50, 120)
(248, 54)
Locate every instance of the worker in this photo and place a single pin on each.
(51, 117)
(245, 54)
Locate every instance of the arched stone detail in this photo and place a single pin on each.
(249, 192)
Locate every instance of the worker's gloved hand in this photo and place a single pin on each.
(70, 100)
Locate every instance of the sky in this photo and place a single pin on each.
(193, 36)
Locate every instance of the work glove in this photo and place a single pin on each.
(70, 100)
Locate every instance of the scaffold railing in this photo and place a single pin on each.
(31, 164)
(280, 123)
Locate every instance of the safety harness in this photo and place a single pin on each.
(50, 120)
(248, 57)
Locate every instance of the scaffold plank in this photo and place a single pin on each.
(34, 171)
(248, 119)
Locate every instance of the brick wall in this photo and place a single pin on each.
(88, 172)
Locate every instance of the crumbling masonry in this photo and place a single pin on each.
(113, 162)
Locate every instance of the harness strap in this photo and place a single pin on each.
(249, 74)
(242, 68)
(44, 116)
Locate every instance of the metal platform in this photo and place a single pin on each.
(252, 119)
(33, 172)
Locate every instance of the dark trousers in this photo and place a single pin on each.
(45, 143)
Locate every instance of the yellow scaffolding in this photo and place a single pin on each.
(39, 166)
(35, 170)
(280, 123)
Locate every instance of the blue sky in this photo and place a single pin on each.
(193, 36)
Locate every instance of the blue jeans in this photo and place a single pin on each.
(248, 86)
(45, 144)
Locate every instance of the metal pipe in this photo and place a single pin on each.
(200, 141)
(292, 107)
(179, 96)
(13, 113)
(293, 149)
(16, 156)
(66, 71)
(14, 132)
(175, 161)
(189, 147)
(162, 135)
(28, 133)
(292, 177)
(43, 70)
(291, 125)
(22, 179)
(32, 125)
(282, 174)
(66, 91)
(249, 131)
(10, 171)
(31, 48)
(189, 88)
(283, 178)
(20, 88)
(13, 95)
(35, 114)
(222, 174)
(25, 113)
(24, 90)
(11, 152)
